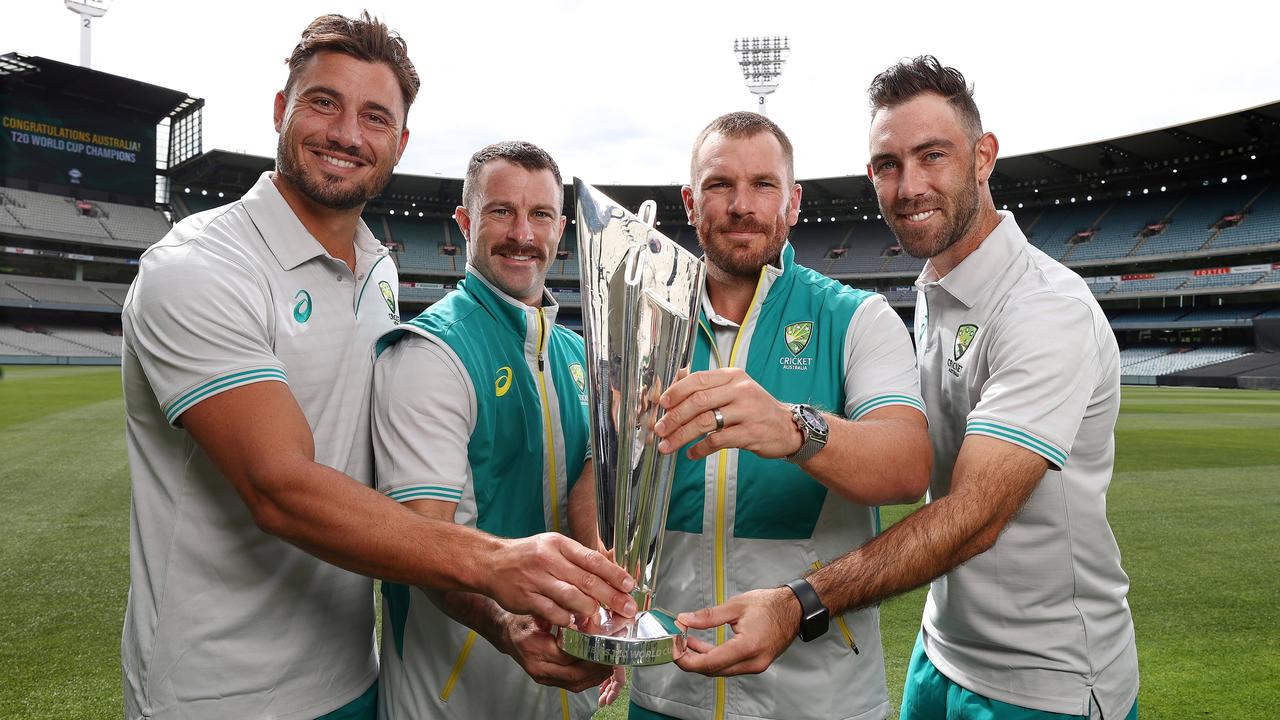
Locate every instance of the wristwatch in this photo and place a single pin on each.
(813, 431)
(814, 617)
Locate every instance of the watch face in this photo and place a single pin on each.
(814, 421)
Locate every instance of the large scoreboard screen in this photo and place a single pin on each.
(56, 140)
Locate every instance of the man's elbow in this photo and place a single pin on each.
(263, 491)
(914, 467)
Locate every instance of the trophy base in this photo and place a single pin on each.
(652, 637)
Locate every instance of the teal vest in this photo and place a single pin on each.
(506, 450)
(795, 363)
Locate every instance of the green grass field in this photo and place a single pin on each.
(1195, 505)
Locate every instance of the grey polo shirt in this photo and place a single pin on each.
(224, 620)
(1012, 345)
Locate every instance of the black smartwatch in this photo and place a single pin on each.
(814, 617)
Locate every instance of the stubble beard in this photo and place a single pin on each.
(327, 191)
(738, 264)
(962, 214)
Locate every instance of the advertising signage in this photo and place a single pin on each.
(57, 141)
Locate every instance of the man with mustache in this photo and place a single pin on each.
(248, 359)
(801, 416)
(1027, 616)
(480, 418)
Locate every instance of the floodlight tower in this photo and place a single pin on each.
(87, 10)
(761, 59)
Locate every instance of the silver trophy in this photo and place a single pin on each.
(640, 299)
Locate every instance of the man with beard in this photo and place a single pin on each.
(498, 440)
(248, 357)
(1027, 616)
(801, 416)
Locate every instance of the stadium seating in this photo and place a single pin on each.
(1189, 227)
(57, 217)
(1141, 353)
(1177, 361)
(1053, 227)
(40, 341)
(38, 292)
(131, 225)
(1116, 231)
(1261, 224)
(420, 241)
(53, 215)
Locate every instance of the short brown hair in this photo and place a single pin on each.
(367, 39)
(743, 125)
(924, 74)
(517, 152)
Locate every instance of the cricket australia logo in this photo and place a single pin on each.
(390, 297)
(964, 338)
(580, 379)
(796, 336)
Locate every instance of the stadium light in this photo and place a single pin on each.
(762, 59)
(87, 10)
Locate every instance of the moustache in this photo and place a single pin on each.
(744, 225)
(335, 147)
(517, 249)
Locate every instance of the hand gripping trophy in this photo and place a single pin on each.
(641, 294)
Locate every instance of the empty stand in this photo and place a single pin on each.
(1182, 359)
(36, 292)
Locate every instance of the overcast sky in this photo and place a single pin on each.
(617, 91)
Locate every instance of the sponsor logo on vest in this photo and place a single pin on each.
(503, 382)
(302, 308)
(964, 338)
(580, 379)
(796, 336)
(390, 297)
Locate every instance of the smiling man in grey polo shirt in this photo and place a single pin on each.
(1027, 616)
(248, 360)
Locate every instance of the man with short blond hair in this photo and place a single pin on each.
(801, 416)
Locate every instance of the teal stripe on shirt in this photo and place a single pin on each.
(425, 491)
(200, 392)
(883, 400)
(1032, 443)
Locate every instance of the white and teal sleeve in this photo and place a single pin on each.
(199, 325)
(424, 410)
(1042, 362)
(879, 364)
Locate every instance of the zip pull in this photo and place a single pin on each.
(542, 338)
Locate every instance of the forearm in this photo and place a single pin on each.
(880, 460)
(990, 483)
(919, 548)
(331, 516)
(583, 523)
(475, 611)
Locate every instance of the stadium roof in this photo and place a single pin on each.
(1202, 149)
(151, 101)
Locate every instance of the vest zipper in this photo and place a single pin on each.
(457, 666)
(546, 423)
(844, 628)
(722, 481)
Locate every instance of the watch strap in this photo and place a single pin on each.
(815, 619)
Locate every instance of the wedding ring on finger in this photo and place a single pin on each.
(719, 416)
